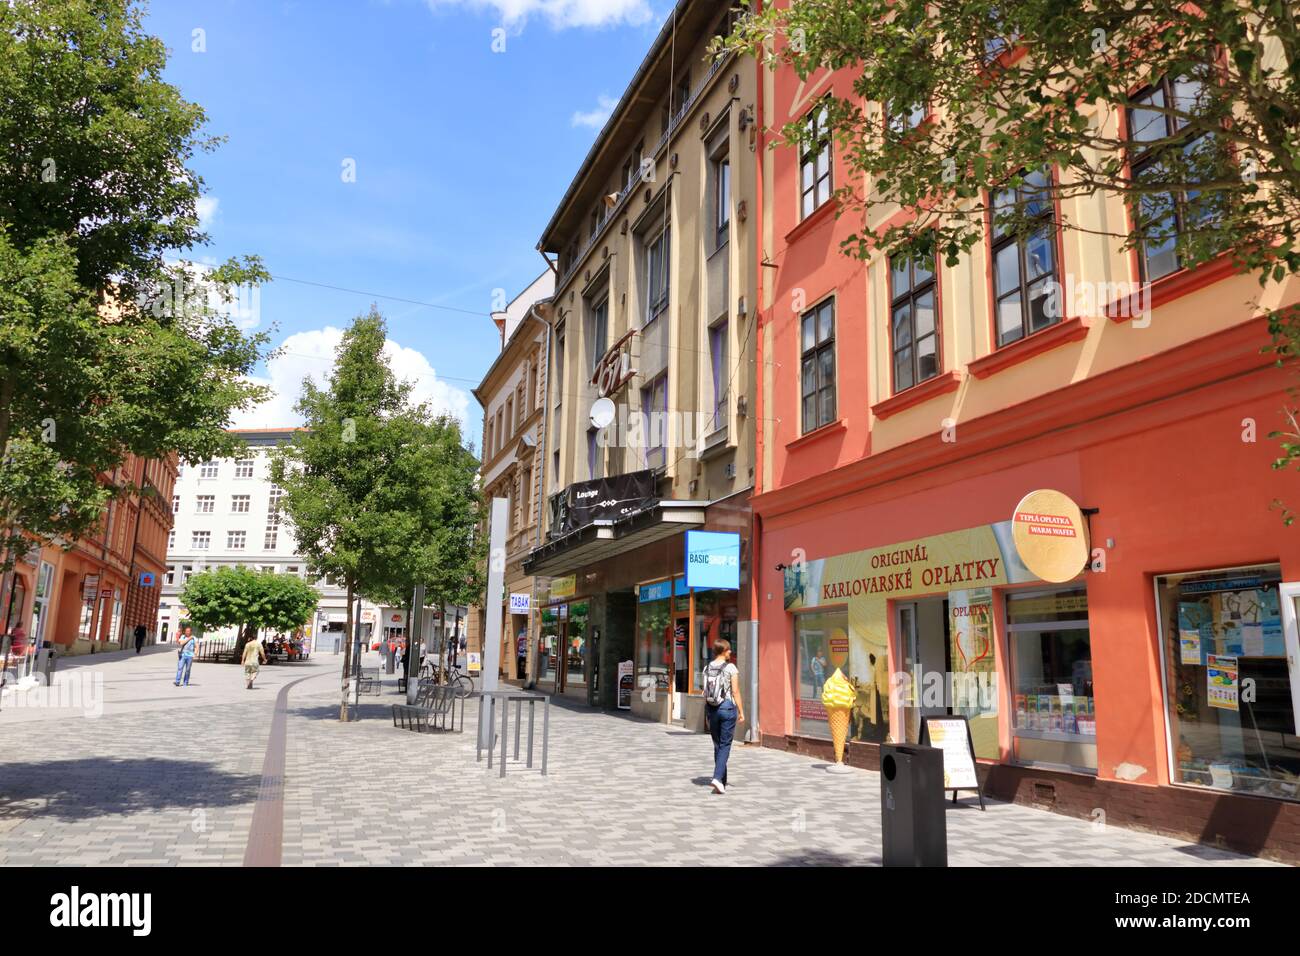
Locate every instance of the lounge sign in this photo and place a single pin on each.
(1050, 535)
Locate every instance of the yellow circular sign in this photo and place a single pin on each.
(1051, 536)
(838, 642)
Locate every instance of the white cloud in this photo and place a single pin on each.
(596, 118)
(206, 207)
(311, 355)
(562, 14)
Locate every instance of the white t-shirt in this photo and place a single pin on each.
(729, 670)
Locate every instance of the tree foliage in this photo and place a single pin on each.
(953, 103)
(109, 345)
(250, 600)
(379, 493)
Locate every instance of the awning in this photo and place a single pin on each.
(604, 539)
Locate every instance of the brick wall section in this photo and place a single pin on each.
(1260, 826)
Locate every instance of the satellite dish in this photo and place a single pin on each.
(602, 412)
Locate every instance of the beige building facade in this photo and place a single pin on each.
(512, 394)
(652, 380)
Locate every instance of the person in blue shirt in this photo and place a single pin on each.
(185, 656)
(818, 666)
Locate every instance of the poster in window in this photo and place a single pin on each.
(1221, 682)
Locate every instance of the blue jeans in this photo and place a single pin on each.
(183, 669)
(722, 727)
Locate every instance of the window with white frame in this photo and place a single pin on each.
(208, 469)
(817, 370)
(170, 577)
(171, 539)
(243, 468)
(236, 540)
(205, 504)
(654, 406)
(200, 540)
(815, 175)
(239, 504)
(721, 372)
(176, 504)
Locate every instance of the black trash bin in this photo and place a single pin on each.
(914, 830)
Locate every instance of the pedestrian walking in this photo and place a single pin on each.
(722, 708)
(139, 637)
(185, 655)
(254, 657)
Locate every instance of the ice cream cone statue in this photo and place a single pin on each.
(837, 698)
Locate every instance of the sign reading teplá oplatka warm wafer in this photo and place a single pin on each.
(1050, 535)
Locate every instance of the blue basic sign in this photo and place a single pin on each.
(713, 559)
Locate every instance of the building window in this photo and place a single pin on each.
(171, 539)
(273, 500)
(176, 504)
(654, 406)
(1024, 269)
(187, 572)
(632, 168)
(200, 540)
(818, 366)
(1224, 633)
(722, 198)
(593, 454)
(170, 577)
(559, 368)
(902, 119)
(525, 497)
(657, 276)
(1156, 140)
(236, 540)
(205, 504)
(913, 323)
(555, 461)
(1051, 677)
(208, 469)
(598, 329)
(815, 178)
(721, 372)
(510, 415)
(243, 468)
(271, 539)
(239, 504)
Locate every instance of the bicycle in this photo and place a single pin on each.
(453, 675)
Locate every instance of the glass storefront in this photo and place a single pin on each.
(1054, 714)
(677, 625)
(821, 644)
(562, 649)
(1230, 694)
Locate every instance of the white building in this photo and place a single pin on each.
(227, 512)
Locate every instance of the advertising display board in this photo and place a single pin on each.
(952, 736)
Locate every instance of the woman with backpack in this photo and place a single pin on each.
(722, 708)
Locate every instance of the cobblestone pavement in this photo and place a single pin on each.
(170, 775)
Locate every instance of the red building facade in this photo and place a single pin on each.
(903, 418)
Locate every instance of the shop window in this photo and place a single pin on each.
(716, 613)
(1230, 696)
(654, 635)
(1055, 715)
(821, 644)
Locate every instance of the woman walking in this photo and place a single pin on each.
(722, 708)
(253, 657)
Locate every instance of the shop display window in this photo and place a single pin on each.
(821, 644)
(1230, 695)
(654, 634)
(1053, 704)
(716, 613)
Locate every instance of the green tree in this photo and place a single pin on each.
(109, 344)
(1008, 88)
(354, 478)
(250, 600)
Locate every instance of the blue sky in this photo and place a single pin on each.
(461, 154)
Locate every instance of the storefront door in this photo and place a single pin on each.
(1291, 620)
(681, 662)
(922, 628)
